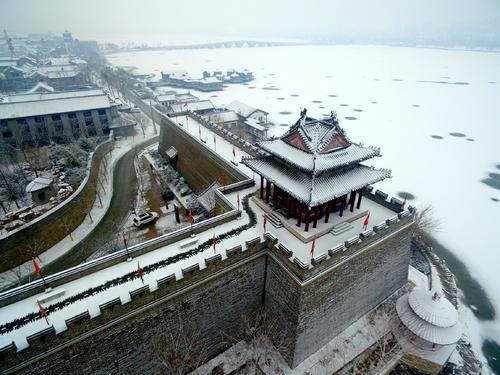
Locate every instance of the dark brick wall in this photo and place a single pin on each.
(215, 308)
(208, 167)
(330, 303)
(311, 313)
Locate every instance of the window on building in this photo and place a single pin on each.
(89, 122)
(56, 117)
(38, 119)
(87, 113)
(72, 115)
(21, 121)
(101, 111)
(59, 127)
(7, 134)
(4, 124)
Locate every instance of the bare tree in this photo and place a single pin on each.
(264, 338)
(180, 349)
(17, 275)
(425, 222)
(67, 227)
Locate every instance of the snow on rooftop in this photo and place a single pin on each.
(252, 123)
(241, 108)
(38, 184)
(46, 103)
(320, 162)
(192, 106)
(424, 329)
(432, 308)
(226, 116)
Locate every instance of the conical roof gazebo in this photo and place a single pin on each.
(313, 168)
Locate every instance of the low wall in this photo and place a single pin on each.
(48, 229)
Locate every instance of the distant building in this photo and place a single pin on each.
(201, 107)
(182, 79)
(227, 119)
(246, 111)
(245, 128)
(23, 73)
(170, 98)
(39, 117)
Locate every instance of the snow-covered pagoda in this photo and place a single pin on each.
(314, 170)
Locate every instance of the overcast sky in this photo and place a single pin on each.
(468, 21)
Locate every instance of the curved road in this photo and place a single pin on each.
(124, 195)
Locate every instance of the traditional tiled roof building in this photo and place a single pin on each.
(314, 170)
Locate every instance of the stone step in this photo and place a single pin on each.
(274, 220)
(341, 228)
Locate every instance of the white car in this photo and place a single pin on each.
(145, 218)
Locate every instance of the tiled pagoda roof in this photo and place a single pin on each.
(316, 146)
(315, 162)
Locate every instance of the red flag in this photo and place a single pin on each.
(365, 223)
(265, 222)
(223, 180)
(125, 238)
(37, 268)
(234, 152)
(313, 246)
(213, 242)
(43, 312)
(140, 273)
(190, 217)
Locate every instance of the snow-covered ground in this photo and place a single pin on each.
(97, 212)
(400, 97)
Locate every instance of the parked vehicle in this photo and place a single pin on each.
(140, 220)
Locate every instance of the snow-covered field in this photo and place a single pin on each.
(395, 98)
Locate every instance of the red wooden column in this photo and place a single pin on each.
(308, 218)
(316, 216)
(342, 205)
(327, 211)
(288, 206)
(261, 187)
(360, 191)
(268, 190)
(299, 214)
(275, 196)
(352, 199)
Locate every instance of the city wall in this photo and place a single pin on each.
(311, 307)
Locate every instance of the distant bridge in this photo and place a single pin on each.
(213, 45)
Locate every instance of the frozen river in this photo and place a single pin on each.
(434, 113)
